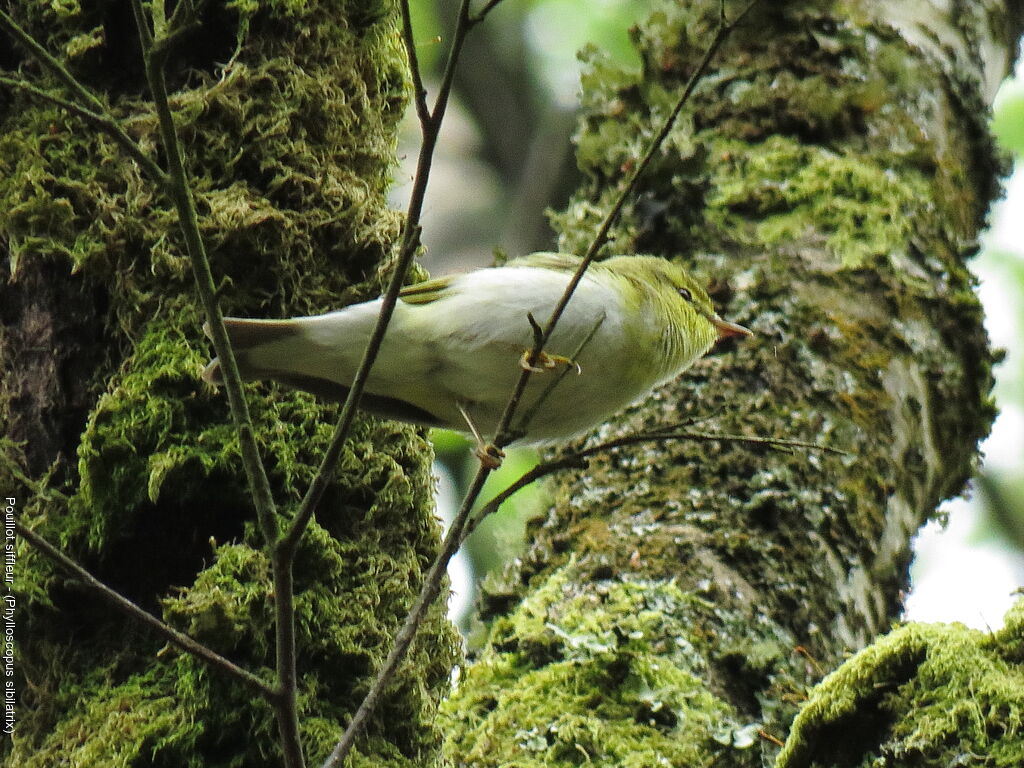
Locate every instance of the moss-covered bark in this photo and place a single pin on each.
(116, 451)
(678, 602)
(922, 695)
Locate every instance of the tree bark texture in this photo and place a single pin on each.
(680, 599)
(118, 453)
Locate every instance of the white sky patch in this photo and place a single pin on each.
(957, 578)
(460, 570)
(963, 573)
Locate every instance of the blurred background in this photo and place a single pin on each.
(505, 156)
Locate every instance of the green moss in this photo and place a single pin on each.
(142, 429)
(790, 189)
(612, 678)
(924, 694)
(290, 150)
(1009, 641)
(124, 723)
(226, 601)
(763, 143)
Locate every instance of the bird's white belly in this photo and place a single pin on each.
(558, 402)
(469, 347)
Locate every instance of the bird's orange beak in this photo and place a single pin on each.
(727, 329)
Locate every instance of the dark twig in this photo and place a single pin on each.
(487, 8)
(419, 92)
(51, 63)
(532, 475)
(181, 195)
(285, 709)
(530, 412)
(184, 15)
(102, 121)
(432, 583)
(538, 332)
(672, 433)
(577, 459)
(403, 639)
(169, 633)
(431, 127)
(504, 435)
(184, 19)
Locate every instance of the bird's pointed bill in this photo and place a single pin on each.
(727, 329)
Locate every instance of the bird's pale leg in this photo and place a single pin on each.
(546, 362)
(489, 454)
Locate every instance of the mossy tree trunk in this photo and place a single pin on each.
(114, 449)
(680, 599)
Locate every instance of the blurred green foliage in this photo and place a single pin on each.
(1001, 487)
(502, 536)
(554, 29)
(1008, 116)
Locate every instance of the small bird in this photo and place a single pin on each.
(457, 345)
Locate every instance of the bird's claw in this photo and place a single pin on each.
(546, 362)
(490, 455)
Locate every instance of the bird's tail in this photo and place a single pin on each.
(314, 354)
(253, 342)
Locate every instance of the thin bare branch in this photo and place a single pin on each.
(285, 706)
(781, 443)
(432, 583)
(482, 13)
(286, 709)
(504, 434)
(532, 475)
(142, 27)
(578, 459)
(183, 19)
(169, 633)
(183, 15)
(419, 93)
(535, 327)
(166, 42)
(403, 639)
(181, 195)
(51, 63)
(462, 26)
(88, 106)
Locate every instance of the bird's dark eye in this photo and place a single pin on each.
(685, 293)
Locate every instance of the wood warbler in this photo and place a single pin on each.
(456, 345)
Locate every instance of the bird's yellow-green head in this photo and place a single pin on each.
(671, 309)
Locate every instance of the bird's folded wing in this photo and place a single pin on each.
(427, 291)
(556, 262)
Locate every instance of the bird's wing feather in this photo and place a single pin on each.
(437, 288)
(556, 262)
(427, 291)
